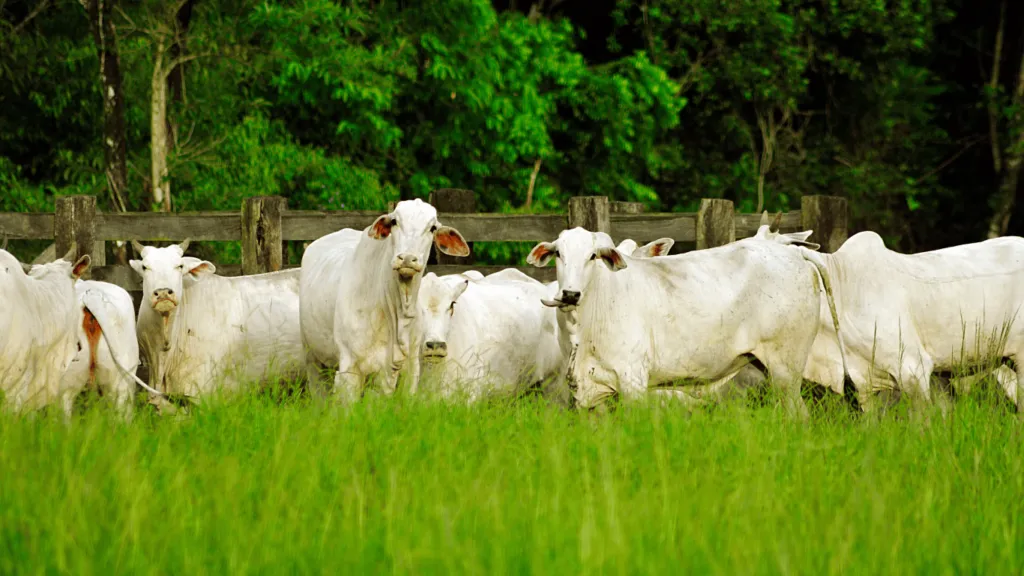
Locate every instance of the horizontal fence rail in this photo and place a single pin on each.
(264, 222)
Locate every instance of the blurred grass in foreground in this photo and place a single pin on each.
(418, 487)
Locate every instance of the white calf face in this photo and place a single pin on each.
(164, 274)
(411, 228)
(438, 296)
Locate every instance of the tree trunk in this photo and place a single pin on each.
(1013, 157)
(159, 181)
(115, 145)
(176, 75)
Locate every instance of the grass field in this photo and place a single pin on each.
(415, 487)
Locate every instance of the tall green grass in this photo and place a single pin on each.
(417, 487)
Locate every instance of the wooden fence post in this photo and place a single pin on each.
(627, 207)
(716, 223)
(74, 226)
(591, 213)
(261, 234)
(826, 216)
(456, 201)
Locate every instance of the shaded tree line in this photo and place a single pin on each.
(911, 109)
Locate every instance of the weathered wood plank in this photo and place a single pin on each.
(261, 233)
(310, 225)
(590, 213)
(74, 228)
(679, 226)
(827, 217)
(716, 223)
(26, 226)
(146, 226)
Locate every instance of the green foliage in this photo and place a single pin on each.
(356, 103)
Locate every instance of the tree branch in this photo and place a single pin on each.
(993, 84)
(39, 8)
(533, 181)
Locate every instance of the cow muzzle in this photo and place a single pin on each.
(407, 265)
(435, 349)
(567, 299)
(164, 300)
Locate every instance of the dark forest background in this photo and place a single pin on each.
(911, 109)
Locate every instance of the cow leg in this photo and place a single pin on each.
(915, 374)
(348, 380)
(788, 380)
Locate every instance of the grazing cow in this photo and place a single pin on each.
(201, 332)
(37, 330)
(360, 297)
(644, 322)
(904, 316)
(492, 333)
(108, 350)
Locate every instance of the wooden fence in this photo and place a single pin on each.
(264, 222)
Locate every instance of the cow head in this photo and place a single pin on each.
(438, 296)
(61, 267)
(410, 228)
(165, 272)
(577, 250)
(770, 232)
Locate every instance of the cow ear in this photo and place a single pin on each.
(81, 265)
(381, 227)
(136, 265)
(612, 258)
(451, 242)
(198, 269)
(659, 247)
(541, 254)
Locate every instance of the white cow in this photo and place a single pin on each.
(903, 316)
(645, 322)
(201, 332)
(108, 350)
(558, 390)
(360, 294)
(493, 334)
(38, 318)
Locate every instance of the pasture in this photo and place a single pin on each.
(407, 485)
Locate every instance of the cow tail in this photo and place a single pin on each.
(118, 364)
(819, 265)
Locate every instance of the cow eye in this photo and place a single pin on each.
(451, 309)
(433, 228)
(145, 268)
(394, 221)
(181, 266)
(593, 256)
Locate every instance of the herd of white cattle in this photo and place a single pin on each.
(627, 320)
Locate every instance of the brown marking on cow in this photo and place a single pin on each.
(381, 227)
(658, 250)
(540, 252)
(93, 332)
(450, 242)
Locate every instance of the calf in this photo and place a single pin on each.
(201, 332)
(493, 334)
